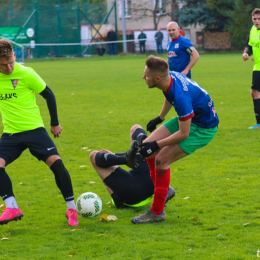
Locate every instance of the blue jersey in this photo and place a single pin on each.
(178, 52)
(190, 100)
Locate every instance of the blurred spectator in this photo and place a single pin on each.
(111, 36)
(182, 32)
(100, 47)
(141, 38)
(159, 38)
(132, 37)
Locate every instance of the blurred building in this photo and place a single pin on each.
(138, 15)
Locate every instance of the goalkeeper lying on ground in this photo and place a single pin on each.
(132, 188)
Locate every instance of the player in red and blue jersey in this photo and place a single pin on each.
(193, 128)
(179, 50)
(190, 100)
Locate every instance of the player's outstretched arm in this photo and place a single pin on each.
(147, 149)
(194, 58)
(180, 135)
(48, 95)
(151, 126)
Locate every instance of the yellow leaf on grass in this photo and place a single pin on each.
(103, 217)
(76, 229)
(110, 112)
(106, 217)
(71, 255)
(212, 188)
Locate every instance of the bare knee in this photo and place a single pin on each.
(2, 163)
(52, 159)
(92, 157)
(255, 94)
(133, 128)
(161, 162)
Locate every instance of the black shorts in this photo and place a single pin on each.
(134, 186)
(131, 187)
(256, 80)
(38, 141)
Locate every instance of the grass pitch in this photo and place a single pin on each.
(99, 99)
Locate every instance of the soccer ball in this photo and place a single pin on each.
(89, 205)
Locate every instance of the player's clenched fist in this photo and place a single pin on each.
(245, 56)
(151, 126)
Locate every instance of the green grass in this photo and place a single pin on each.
(99, 99)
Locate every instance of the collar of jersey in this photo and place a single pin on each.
(176, 38)
(169, 86)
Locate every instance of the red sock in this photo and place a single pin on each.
(151, 164)
(162, 183)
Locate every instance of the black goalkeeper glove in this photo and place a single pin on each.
(151, 126)
(147, 149)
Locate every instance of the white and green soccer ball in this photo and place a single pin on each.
(89, 205)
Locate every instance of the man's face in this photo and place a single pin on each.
(7, 64)
(256, 20)
(149, 78)
(173, 31)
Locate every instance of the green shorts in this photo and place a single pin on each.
(197, 138)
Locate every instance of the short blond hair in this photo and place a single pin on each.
(157, 64)
(6, 49)
(256, 11)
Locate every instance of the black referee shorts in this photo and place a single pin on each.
(134, 186)
(256, 80)
(38, 141)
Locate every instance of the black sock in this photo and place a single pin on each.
(257, 109)
(105, 160)
(63, 180)
(120, 154)
(6, 189)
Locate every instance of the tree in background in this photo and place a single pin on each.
(239, 20)
(199, 12)
(155, 9)
(232, 16)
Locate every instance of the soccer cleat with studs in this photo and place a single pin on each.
(130, 155)
(254, 126)
(10, 214)
(72, 216)
(170, 195)
(148, 217)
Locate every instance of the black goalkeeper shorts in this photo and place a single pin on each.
(131, 187)
(38, 141)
